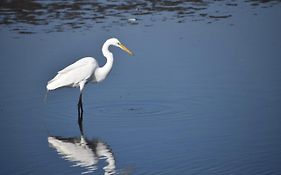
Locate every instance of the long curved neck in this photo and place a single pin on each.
(103, 71)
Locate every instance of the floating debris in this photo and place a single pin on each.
(132, 20)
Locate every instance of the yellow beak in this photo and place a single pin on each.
(125, 49)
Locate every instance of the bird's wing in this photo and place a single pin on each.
(79, 63)
(72, 75)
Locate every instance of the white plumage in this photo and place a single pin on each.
(81, 71)
(86, 70)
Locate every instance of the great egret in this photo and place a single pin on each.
(84, 71)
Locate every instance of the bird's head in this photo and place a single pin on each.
(117, 43)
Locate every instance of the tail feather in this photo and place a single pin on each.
(52, 84)
(56, 82)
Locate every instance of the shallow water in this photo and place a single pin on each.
(201, 95)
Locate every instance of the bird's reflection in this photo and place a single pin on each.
(84, 152)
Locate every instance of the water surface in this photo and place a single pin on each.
(200, 96)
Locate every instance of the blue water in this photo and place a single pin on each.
(201, 95)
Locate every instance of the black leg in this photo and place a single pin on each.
(80, 107)
(80, 123)
(80, 114)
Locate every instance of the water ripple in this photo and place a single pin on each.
(56, 16)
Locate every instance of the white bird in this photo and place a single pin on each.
(84, 71)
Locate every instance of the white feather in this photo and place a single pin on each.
(86, 69)
(71, 76)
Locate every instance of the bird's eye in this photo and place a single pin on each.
(118, 43)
